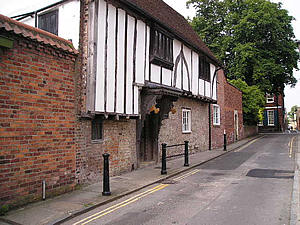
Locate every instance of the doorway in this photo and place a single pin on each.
(149, 139)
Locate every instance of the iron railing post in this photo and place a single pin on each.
(163, 158)
(106, 188)
(186, 153)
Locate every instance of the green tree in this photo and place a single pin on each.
(253, 101)
(292, 112)
(253, 39)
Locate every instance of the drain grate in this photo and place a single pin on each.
(168, 181)
(269, 173)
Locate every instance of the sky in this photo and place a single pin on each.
(292, 95)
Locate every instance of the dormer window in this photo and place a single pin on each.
(161, 49)
(270, 98)
(204, 69)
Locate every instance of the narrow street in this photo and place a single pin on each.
(252, 185)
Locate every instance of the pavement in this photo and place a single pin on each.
(295, 203)
(64, 207)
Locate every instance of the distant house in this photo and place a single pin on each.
(274, 114)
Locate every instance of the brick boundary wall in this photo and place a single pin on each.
(37, 121)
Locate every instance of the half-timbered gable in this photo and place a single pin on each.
(138, 43)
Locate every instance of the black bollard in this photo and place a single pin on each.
(106, 188)
(163, 158)
(225, 141)
(186, 153)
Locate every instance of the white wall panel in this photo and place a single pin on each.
(195, 75)
(155, 73)
(129, 63)
(214, 84)
(166, 76)
(111, 56)
(68, 21)
(186, 68)
(147, 53)
(201, 87)
(140, 52)
(121, 61)
(99, 104)
(136, 100)
(207, 89)
(176, 52)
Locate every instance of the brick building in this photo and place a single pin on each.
(274, 114)
(227, 114)
(37, 113)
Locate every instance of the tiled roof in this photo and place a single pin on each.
(163, 13)
(36, 34)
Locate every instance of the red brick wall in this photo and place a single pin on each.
(229, 100)
(37, 121)
(119, 140)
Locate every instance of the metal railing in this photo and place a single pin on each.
(164, 155)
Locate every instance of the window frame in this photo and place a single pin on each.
(97, 122)
(186, 127)
(161, 48)
(218, 112)
(55, 11)
(271, 124)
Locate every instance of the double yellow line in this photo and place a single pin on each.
(186, 175)
(131, 200)
(120, 205)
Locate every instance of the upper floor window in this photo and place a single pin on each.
(49, 22)
(161, 49)
(270, 98)
(204, 69)
(186, 121)
(216, 117)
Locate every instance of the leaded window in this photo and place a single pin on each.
(161, 49)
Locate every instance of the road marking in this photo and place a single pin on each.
(186, 175)
(250, 143)
(291, 147)
(120, 205)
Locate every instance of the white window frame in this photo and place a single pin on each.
(270, 98)
(216, 115)
(269, 121)
(186, 121)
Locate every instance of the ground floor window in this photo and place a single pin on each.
(97, 129)
(216, 117)
(270, 114)
(186, 121)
